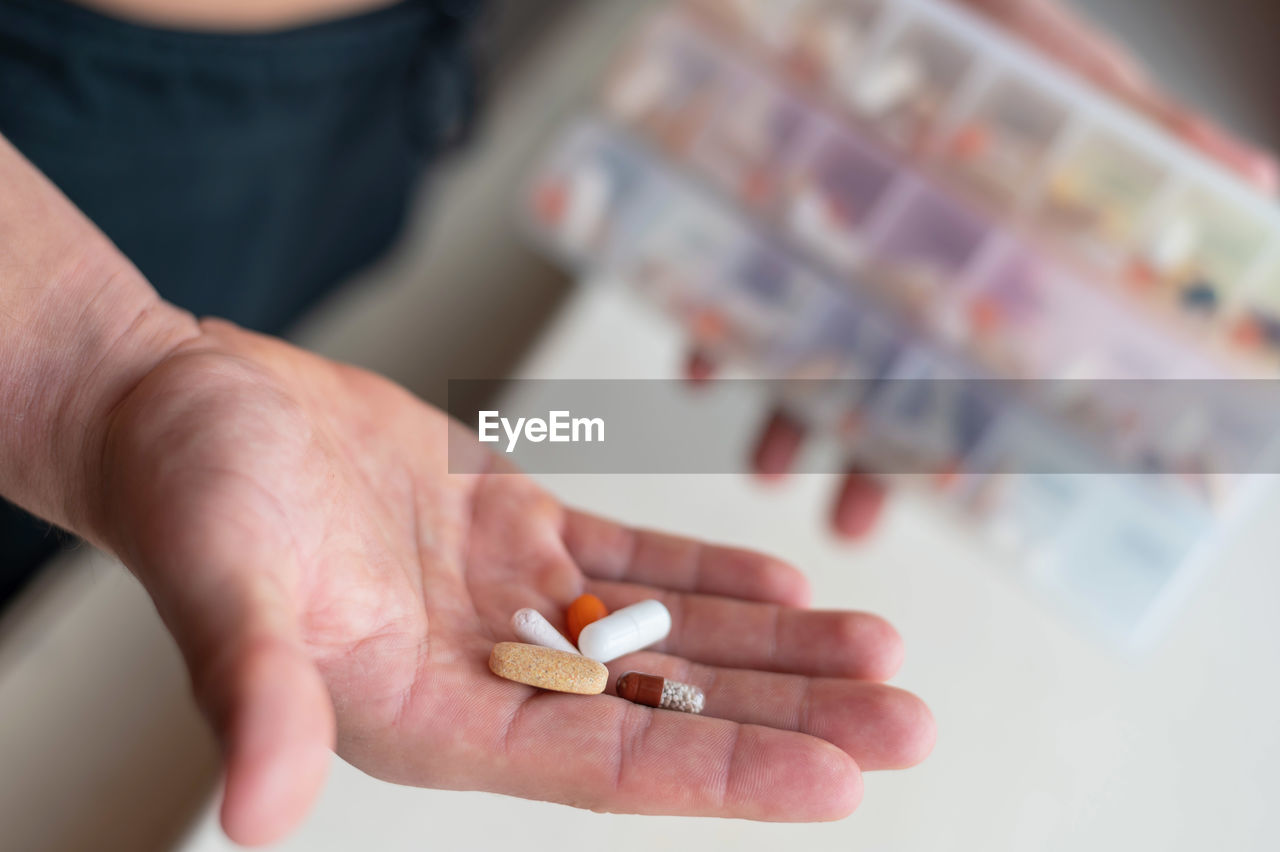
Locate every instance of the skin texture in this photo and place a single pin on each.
(330, 583)
(332, 586)
(859, 499)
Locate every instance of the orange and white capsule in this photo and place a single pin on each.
(657, 691)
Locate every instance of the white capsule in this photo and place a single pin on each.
(628, 629)
(534, 629)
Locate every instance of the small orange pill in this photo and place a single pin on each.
(581, 612)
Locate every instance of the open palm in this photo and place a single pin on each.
(331, 584)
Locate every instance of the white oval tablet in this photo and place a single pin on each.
(532, 627)
(628, 629)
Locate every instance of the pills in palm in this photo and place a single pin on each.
(583, 611)
(657, 691)
(624, 631)
(547, 668)
(531, 627)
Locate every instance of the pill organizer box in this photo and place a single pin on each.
(896, 190)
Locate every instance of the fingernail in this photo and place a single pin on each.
(1263, 172)
(699, 368)
(858, 505)
(1256, 165)
(1269, 177)
(778, 445)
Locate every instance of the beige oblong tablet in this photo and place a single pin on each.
(547, 668)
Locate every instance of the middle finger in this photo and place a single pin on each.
(879, 726)
(769, 637)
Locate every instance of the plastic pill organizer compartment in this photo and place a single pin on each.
(895, 190)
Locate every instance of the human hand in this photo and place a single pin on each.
(1081, 47)
(330, 584)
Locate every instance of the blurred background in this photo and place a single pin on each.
(1050, 737)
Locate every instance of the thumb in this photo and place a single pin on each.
(273, 715)
(256, 684)
(1079, 45)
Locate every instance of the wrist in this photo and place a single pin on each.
(58, 399)
(79, 328)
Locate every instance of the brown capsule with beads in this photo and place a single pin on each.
(657, 691)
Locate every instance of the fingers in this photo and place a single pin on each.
(609, 755)
(699, 367)
(1071, 40)
(1257, 166)
(778, 445)
(858, 505)
(860, 500)
(741, 634)
(1080, 46)
(608, 551)
(273, 716)
(879, 726)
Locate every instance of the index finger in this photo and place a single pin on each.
(605, 550)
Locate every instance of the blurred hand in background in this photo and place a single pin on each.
(1080, 46)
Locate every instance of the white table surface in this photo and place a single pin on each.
(1047, 740)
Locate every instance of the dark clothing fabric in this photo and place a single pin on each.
(245, 175)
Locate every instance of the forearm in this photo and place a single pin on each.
(79, 327)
